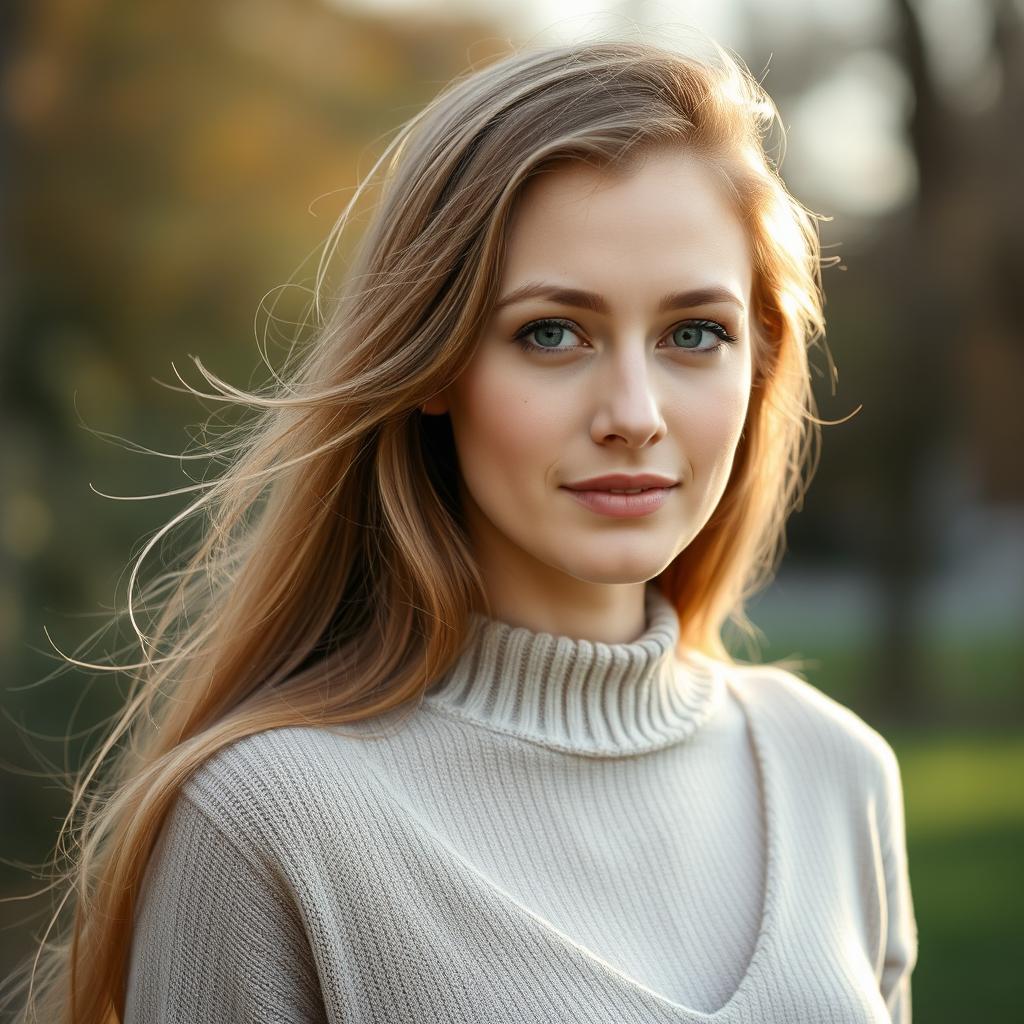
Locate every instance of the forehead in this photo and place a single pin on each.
(666, 222)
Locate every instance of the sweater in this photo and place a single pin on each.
(560, 830)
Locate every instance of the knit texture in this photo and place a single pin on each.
(562, 830)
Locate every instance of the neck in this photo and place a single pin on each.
(610, 615)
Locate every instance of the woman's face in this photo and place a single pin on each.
(626, 382)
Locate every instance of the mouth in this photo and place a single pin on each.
(623, 482)
(622, 503)
(620, 490)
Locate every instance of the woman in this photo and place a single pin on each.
(448, 730)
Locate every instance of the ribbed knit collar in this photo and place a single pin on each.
(582, 696)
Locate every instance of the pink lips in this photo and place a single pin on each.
(595, 493)
(622, 482)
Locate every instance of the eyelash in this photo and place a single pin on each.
(522, 336)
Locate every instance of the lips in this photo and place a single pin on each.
(622, 506)
(622, 482)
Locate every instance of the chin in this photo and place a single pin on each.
(625, 572)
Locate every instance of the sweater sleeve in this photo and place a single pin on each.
(901, 934)
(216, 936)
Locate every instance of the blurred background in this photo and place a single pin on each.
(169, 166)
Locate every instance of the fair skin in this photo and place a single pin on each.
(627, 390)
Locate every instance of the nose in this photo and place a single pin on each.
(627, 406)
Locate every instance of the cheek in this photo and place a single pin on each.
(505, 430)
(708, 421)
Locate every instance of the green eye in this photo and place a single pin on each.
(689, 334)
(548, 334)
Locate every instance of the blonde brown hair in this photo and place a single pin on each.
(333, 579)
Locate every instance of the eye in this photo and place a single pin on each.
(549, 334)
(689, 332)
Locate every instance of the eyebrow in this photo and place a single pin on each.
(592, 301)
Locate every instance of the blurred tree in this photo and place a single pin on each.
(952, 270)
(927, 335)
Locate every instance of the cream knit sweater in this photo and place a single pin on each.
(562, 831)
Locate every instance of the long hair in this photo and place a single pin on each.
(332, 578)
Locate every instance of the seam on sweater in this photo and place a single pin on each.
(257, 866)
(602, 752)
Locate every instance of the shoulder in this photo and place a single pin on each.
(274, 786)
(219, 929)
(819, 726)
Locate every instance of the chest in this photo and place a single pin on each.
(451, 926)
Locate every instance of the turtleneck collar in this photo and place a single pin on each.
(581, 696)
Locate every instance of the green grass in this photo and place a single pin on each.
(965, 843)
